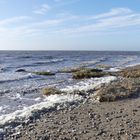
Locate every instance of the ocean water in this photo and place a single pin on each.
(20, 91)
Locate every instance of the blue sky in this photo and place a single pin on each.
(69, 25)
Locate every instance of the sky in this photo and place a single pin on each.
(70, 25)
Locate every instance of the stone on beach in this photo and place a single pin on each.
(20, 70)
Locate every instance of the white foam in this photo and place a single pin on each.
(50, 61)
(3, 108)
(89, 84)
(89, 63)
(26, 112)
(113, 69)
(37, 99)
(14, 96)
(131, 65)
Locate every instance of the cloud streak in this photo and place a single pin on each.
(68, 24)
(114, 19)
(43, 9)
(13, 20)
(113, 12)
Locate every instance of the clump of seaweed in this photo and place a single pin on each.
(130, 73)
(117, 90)
(80, 73)
(88, 73)
(70, 70)
(50, 91)
(103, 66)
(46, 73)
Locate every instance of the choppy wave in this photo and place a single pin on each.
(31, 63)
(134, 64)
(27, 111)
(93, 62)
(125, 60)
(49, 61)
(88, 84)
(14, 77)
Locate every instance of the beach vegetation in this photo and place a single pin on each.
(88, 73)
(50, 91)
(70, 70)
(118, 90)
(130, 73)
(103, 66)
(46, 73)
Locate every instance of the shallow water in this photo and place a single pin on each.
(21, 90)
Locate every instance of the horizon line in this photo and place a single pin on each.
(80, 50)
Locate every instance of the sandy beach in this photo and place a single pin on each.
(118, 120)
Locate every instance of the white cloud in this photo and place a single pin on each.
(67, 24)
(43, 9)
(26, 30)
(13, 20)
(113, 12)
(115, 19)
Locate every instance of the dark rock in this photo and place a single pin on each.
(21, 70)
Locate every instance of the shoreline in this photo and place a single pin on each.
(115, 120)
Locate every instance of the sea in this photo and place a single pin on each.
(20, 92)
